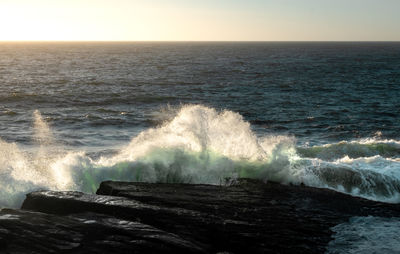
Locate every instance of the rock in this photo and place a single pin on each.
(248, 216)
(34, 232)
(246, 192)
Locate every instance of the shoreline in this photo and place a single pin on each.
(248, 216)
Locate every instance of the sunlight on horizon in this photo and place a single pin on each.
(177, 20)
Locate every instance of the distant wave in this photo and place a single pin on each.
(353, 149)
(202, 145)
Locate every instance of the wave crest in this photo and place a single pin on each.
(353, 149)
(202, 145)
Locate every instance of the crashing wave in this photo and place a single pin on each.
(202, 145)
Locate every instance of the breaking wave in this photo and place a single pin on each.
(353, 149)
(202, 145)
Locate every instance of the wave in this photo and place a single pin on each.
(353, 149)
(375, 178)
(201, 145)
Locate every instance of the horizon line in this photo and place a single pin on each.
(232, 41)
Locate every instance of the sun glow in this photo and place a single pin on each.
(49, 20)
(177, 20)
(84, 21)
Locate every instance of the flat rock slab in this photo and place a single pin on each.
(246, 217)
(34, 232)
(248, 194)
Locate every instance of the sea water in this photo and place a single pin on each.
(323, 114)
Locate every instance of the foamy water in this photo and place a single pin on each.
(199, 144)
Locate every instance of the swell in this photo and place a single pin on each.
(353, 149)
(199, 144)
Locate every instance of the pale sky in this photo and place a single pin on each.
(201, 20)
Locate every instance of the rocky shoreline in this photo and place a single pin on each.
(247, 216)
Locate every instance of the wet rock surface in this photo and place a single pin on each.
(32, 232)
(246, 217)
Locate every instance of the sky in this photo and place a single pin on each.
(200, 20)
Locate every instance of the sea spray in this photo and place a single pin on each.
(22, 171)
(201, 145)
(42, 132)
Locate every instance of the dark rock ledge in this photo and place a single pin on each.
(246, 217)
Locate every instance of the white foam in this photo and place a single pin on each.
(198, 145)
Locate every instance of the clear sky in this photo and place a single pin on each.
(200, 20)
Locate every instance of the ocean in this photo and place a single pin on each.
(323, 114)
